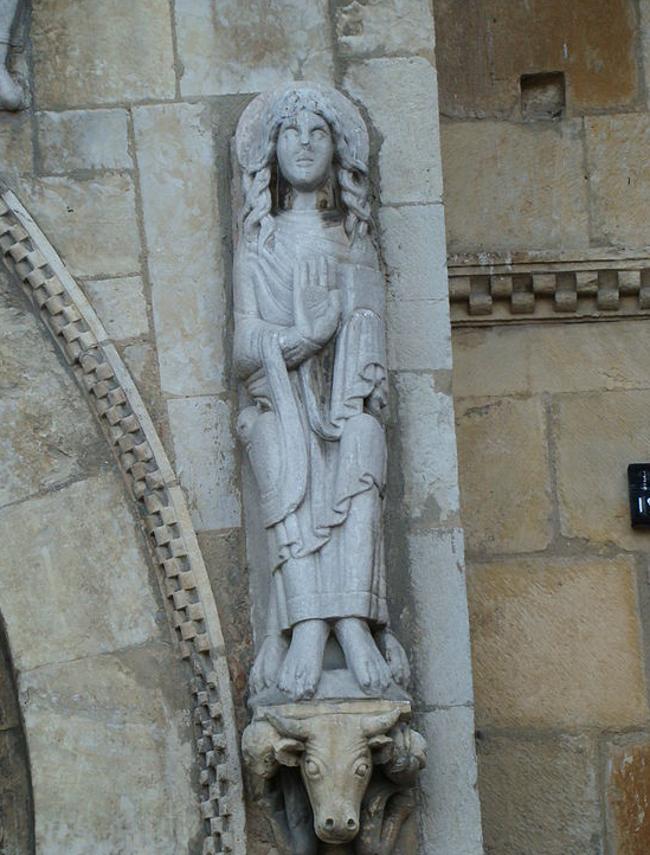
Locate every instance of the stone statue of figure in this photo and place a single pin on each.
(11, 94)
(310, 349)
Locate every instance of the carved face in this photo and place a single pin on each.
(305, 149)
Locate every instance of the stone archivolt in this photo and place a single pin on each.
(123, 418)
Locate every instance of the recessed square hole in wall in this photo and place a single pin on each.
(543, 96)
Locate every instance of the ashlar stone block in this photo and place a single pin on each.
(206, 460)
(504, 474)
(401, 98)
(120, 304)
(540, 795)
(384, 27)
(15, 143)
(598, 435)
(91, 222)
(179, 195)
(512, 186)
(113, 51)
(548, 634)
(81, 550)
(628, 794)
(619, 174)
(112, 754)
(229, 46)
(83, 139)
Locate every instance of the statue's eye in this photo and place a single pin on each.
(362, 770)
(311, 768)
(319, 133)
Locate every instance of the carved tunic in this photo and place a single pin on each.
(318, 454)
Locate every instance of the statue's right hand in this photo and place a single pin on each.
(316, 300)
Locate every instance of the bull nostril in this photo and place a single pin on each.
(329, 822)
(352, 823)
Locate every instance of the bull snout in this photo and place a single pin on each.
(333, 829)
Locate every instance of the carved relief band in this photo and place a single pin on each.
(330, 745)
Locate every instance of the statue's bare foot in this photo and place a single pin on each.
(395, 656)
(11, 94)
(303, 664)
(362, 655)
(268, 662)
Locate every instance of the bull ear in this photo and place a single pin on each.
(287, 751)
(382, 748)
(285, 726)
(373, 725)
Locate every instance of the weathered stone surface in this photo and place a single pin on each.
(619, 175)
(548, 358)
(48, 435)
(450, 811)
(418, 335)
(439, 635)
(628, 795)
(15, 143)
(427, 447)
(111, 751)
(206, 460)
(484, 46)
(80, 548)
(83, 139)
(513, 186)
(177, 165)
(16, 820)
(597, 436)
(233, 47)
(540, 795)
(120, 304)
(548, 634)
(384, 27)
(413, 243)
(504, 474)
(141, 360)
(91, 223)
(401, 98)
(82, 57)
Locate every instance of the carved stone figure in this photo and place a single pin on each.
(310, 347)
(329, 746)
(11, 94)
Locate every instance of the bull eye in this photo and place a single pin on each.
(312, 769)
(361, 770)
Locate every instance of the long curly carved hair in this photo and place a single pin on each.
(261, 184)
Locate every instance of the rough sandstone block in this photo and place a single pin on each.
(230, 47)
(628, 795)
(91, 223)
(121, 305)
(597, 436)
(504, 474)
(484, 46)
(551, 358)
(177, 173)
(548, 634)
(539, 795)
(511, 186)
(83, 139)
(401, 98)
(619, 174)
(111, 751)
(206, 460)
(87, 533)
(107, 52)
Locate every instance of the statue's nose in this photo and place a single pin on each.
(340, 829)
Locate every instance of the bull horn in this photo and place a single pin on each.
(373, 725)
(290, 727)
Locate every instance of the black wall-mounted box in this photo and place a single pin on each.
(638, 480)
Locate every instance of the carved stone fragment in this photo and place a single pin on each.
(11, 93)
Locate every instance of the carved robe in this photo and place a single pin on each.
(318, 454)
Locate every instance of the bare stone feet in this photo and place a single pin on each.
(362, 656)
(11, 95)
(267, 662)
(395, 656)
(303, 664)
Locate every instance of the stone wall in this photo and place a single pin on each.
(123, 158)
(547, 211)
